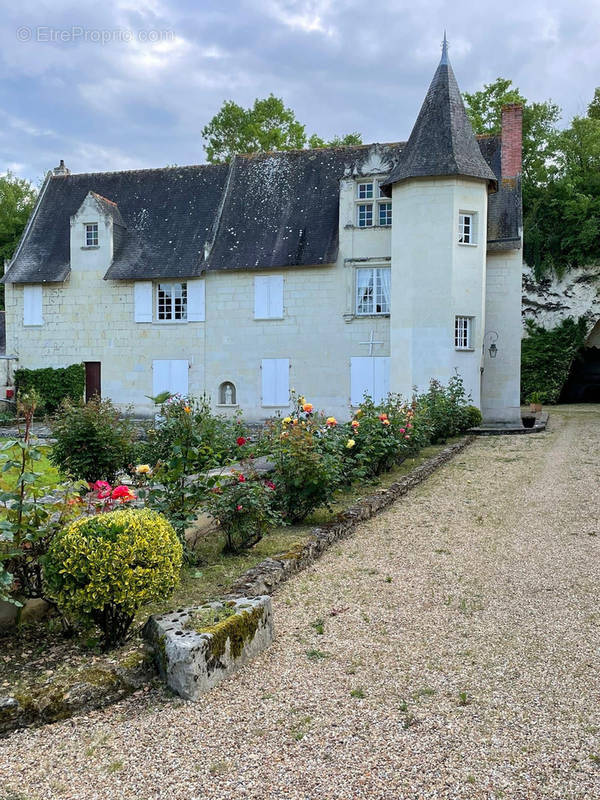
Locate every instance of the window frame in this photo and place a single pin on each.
(472, 228)
(157, 312)
(367, 206)
(459, 319)
(86, 231)
(374, 270)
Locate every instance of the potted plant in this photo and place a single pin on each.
(535, 402)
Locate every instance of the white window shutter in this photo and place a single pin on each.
(261, 297)
(196, 311)
(170, 376)
(381, 378)
(142, 302)
(361, 379)
(275, 381)
(370, 375)
(276, 296)
(283, 381)
(269, 382)
(32, 304)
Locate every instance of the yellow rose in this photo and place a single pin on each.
(142, 469)
(350, 444)
(331, 421)
(286, 420)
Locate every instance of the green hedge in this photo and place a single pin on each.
(53, 384)
(546, 358)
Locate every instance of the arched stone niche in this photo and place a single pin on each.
(227, 394)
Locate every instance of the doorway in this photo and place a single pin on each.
(92, 380)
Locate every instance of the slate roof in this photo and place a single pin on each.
(442, 141)
(264, 210)
(282, 209)
(166, 216)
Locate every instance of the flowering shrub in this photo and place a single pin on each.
(33, 511)
(243, 509)
(443, 409)
(102, 497)
(307, 465)
(102, 569)
(187, 421)
(378, 437)
(92, 440)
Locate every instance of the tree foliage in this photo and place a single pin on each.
(546, 358)
(17, 198)
(484, 109)
(267, 125)
(561, 176)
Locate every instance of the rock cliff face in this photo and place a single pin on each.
(575, 295)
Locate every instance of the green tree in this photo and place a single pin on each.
(484, 109)
(348, 140)
(17, 198)
(267, 125)
(594, 106)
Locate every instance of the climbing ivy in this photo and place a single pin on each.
(53, 385)
(546, 357)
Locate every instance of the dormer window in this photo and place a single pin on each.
(91, 234)
(171, 302)
(376, 212)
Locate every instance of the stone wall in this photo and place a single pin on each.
(552, 300)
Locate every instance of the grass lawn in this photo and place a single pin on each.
(50, 473)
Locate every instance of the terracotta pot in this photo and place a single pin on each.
(535, 408)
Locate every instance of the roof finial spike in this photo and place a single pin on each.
(444, 59)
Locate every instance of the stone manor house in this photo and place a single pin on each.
(333, 271)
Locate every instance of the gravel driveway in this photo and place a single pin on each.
(458, 658)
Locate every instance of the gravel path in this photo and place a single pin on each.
(459, 658)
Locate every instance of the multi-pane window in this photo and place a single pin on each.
(373, 290)
(91, 234)
(385, 213)
(466, 228)
(375, 212)
(171, 302)
(365, 215)
(463, 332)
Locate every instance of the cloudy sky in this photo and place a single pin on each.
(121, 84)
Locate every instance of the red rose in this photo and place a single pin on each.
(240, 508)
(241, 441)
(241, 478)
(270, 484)
(122, 491)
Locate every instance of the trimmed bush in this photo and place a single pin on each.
(102, 569)
(53, 385)
(92, 440)
(473, 417)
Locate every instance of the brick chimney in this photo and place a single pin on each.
(512, 140)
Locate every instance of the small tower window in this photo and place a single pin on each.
(227, 394)
(463, 333)
(91, 234)
(467, 227)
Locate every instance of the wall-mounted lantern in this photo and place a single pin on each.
(493, 348)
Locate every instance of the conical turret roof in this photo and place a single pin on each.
(442, 140)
